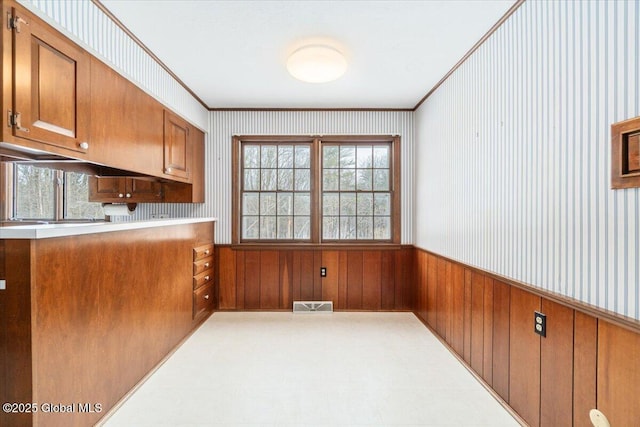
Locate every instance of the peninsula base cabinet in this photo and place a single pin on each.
(85, 318)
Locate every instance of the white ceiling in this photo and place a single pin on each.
(232, 54)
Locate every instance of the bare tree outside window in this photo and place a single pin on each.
(316, 190)
(34, 192)
(276, 198)
(76, 198)
(46, 194)
(356, 200)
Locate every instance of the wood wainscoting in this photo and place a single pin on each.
(589, 358)
(271, 279)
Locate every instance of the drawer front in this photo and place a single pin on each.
(203, 251)
(202, 279)
(202, 265)
(202, 300)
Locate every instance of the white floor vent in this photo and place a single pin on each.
(313, 306)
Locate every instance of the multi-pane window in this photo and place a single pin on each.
(356, 192)
(315, 190)
(276, 191)
(46, 194)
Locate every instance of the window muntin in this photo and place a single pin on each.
(276, 191)
(356, 191)
(45, 194)
(346, 191)
(76, 198)
(34, 192)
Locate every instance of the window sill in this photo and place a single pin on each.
(316, 246)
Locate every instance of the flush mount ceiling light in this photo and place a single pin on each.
(316, 64)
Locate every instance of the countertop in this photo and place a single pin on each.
(45, 231)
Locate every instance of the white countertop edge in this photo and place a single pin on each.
(45, 231)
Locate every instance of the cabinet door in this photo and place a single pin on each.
(124, 190)
(107, 189)
(140, 190)
(126, 123)
(180, 192)
(177, 147)
(52, 86)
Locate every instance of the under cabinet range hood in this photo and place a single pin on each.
(13, 152)
(18, 154)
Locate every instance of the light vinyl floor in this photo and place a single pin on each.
(285, 369)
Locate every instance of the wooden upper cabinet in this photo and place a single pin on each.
(126, 123)
(143, 190)
(180, 192)
(51, 86)
(106, 189)
(124, 190)
(58, 100)
(177, 147)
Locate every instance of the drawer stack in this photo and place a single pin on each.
(202, 280)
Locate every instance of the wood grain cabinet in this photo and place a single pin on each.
(61, 102)
(203, 283)
(124, 190)
(126, 123)
(47, 100)
(179, 192)
(177, 147)
(85, 317)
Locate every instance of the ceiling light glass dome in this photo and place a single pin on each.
(317, 64)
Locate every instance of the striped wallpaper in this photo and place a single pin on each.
(225, 124)
(514, 154)
(511, 153)
(83, 22)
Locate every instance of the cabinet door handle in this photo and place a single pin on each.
(206, 277)
(206, 252)
(206, 265)
(121, 195)
(206, 296)
(128, 195)
(84, 145)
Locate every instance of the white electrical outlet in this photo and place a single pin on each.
(3, 285)
(598, 419)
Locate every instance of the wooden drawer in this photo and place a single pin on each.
(202, 265)
(202, 279)
(203, 251)
(202, 300)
